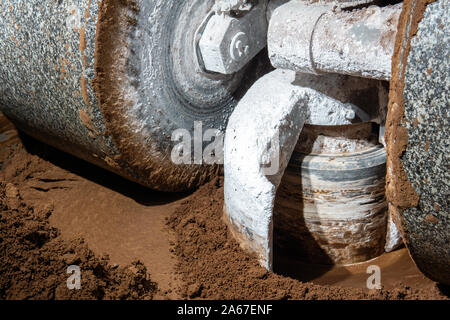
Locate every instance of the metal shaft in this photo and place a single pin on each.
(315, 39)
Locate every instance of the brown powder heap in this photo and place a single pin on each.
(34, 259)
(34, 256)
(214, 266)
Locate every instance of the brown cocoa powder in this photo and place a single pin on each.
(34, 259)
(213, 265)
(34, 255)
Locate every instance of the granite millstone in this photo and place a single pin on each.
(46, 71)
(111, 81)
(426, 159)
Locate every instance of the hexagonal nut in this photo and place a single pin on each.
(226, 46)
(216, 42)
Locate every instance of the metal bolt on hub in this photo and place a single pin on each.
(228, 43)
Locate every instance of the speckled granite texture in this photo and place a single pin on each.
(110, 81)
(426, 160)
(46, 68)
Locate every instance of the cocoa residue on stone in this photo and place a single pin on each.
(213, 265)
(399, 191)
(140, 162)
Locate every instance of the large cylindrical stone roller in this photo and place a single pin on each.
(109, 81)
(417, 136)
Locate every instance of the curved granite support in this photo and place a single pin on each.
(260, 138)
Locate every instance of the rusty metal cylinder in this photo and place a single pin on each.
(330, 207)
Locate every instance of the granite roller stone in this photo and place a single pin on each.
(109, 81)
(418, 136)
